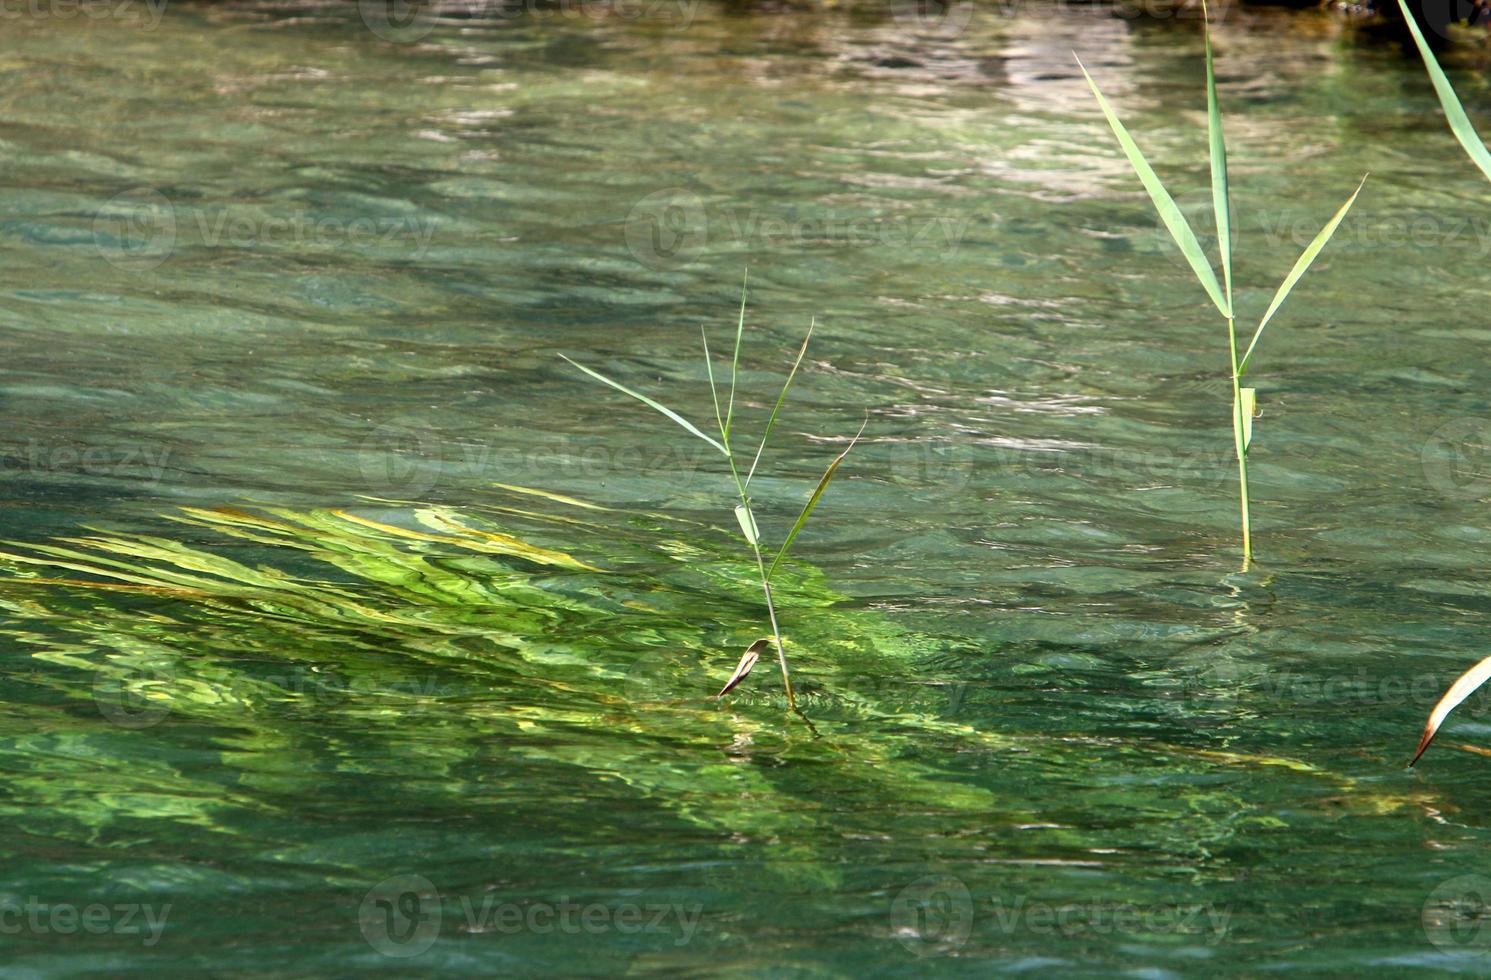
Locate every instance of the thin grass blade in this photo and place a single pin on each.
(1300, 265)
(1220, 195)
(743, 669)
(1454, 112)
(780, 399)
(1170, 214)
(649, 403)
(1464, 687)
(713, 390)
(807, 510)
(735, 360)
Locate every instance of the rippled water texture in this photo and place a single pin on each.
(300, 682)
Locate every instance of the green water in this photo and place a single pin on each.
(264, 258)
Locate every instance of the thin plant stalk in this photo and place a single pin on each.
(1244, 399)
(745, 514)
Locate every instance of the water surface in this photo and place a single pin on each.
(269, 259)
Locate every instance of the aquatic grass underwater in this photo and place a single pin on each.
(745, 515)
(1244, 399)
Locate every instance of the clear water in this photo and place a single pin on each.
(263, 257)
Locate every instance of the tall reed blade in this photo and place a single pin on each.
(650, 403)
(1454, 112)
(1221, 199)
(1300, 265)
(1170, 213)
(807, 510)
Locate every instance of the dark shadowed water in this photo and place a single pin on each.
(297, 683)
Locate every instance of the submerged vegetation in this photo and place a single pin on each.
(745, 515)
(1244, 399)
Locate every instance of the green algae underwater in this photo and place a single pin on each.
(469, 665)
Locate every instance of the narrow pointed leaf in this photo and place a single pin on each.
(649, 403)
(747, 524)
(1220, 195)
(714, 391)
(1464, 687)
(735, 360)
(1454, 112)
(807, 510)
(742, 669)
(1249, 412)
(1300, 265)
(780, 399)
(1170, 213)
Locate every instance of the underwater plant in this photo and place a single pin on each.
(1244, 399)
(745, 515)
(1454, 113)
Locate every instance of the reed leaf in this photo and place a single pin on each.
(1170, 213)
(770, 423)
(1301, 264)
(1454, 112)
(1465, 685)
(650, 404)
(1220, 195)
(807, 509)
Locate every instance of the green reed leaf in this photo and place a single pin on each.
(1170, 213)
(735, 360)
(780, 399)
(1454, 112)
(649, 403)
(747, 522)
(1300, 265)
(714, 391)
(807, 510)
(1249, 398)
(1220, 195)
